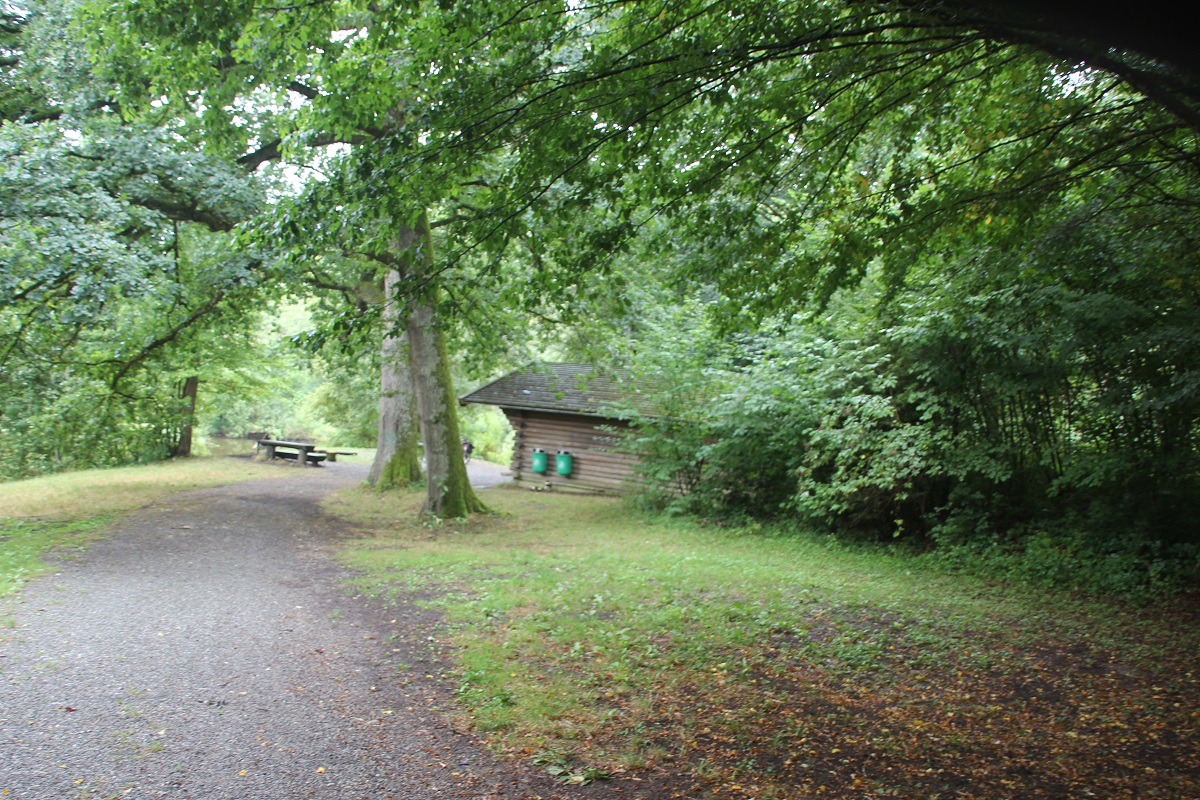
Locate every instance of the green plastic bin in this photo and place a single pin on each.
(539, 460)
(563, 462)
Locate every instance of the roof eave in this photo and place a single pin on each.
(466, 401)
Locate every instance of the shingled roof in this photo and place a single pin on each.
(563, 388)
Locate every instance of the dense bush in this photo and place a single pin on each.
(1043, 428)
(58, 421)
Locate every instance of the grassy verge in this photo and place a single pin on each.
(67, 510)
(745, 664)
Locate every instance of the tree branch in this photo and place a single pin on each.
(304, 90)
(271, 150)
(166, 338)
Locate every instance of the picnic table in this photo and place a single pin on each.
(301, 452)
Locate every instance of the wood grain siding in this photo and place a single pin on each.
(597, 466)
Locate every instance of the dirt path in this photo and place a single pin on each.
(208, 649)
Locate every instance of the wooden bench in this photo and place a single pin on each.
(313, 458)
(300, 452)
(331, 455)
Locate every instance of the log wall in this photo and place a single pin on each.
(597, 466)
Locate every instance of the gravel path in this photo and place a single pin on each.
(208, 649)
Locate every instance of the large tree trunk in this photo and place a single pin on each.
(188, 390)
(448, 490)
(397, 460)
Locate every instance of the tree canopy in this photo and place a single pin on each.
(795, 142)
(113, 286)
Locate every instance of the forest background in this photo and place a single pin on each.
(912, 273)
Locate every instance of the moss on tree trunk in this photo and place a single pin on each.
(397, 460)
(449, 493)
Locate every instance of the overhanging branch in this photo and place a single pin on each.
(271, 151)
(165, 339)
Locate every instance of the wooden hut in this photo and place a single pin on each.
(558, 409)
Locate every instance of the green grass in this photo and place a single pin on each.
(23, 544)
(75, 495)
(57, 512)
(620, 642)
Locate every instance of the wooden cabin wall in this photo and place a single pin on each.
(596, 465)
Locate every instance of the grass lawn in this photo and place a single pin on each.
(741, 663)
(67, 510)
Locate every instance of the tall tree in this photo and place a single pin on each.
(267, 82)
(432, 385)
(353, 304)
(109, 290)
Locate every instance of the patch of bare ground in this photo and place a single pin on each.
(856, 707)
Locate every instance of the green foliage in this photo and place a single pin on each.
(992, 244)
(62, 420)
(1076, 554)
(1022, 361)
(488, 430)
(349, 403)
(786, 145)
(1048, 426)
(291, 391)
(670, 438)
(276, 397)
(1027, 401)
(117, 280)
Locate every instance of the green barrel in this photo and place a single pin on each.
(539, 460)
(563, 462)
